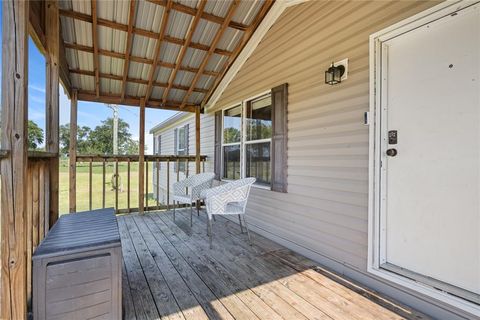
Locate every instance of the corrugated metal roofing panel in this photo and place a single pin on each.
(184, 78)
(175, 95)
(193, 58)
(163, 74)
(68, 30)
(82, 6)
(138, 70)
(205, 32)
(230, 39)
(169, 52)
(205, 82)
(189, 3)
(135, 89)
(110, 65)
(143, 47)
(112, 40)
(178, 24)
(195, 98)
(157, 92)
(65, 5)
(117, 11)
(110, 86)
(87, 82)
(149, 16)
(218, 7)
(216, 62)
(247, 11)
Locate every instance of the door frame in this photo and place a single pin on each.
(376, 231)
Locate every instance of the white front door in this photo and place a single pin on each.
(430, 154)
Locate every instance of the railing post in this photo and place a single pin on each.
(73, 153)
(90, 187)
(141, 157)
(13, 286)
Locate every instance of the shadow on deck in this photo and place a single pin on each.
(169, 272)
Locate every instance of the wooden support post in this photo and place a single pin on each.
(72, 155)
(141, 157)
(197, 140)
(13, 286)
(52, 33)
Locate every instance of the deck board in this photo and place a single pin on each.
(171, 273)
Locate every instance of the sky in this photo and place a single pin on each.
(89, 113)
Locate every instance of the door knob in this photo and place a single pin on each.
(392, 152)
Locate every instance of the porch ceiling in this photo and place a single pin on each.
(172, 53)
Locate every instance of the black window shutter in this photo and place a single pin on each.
(279, 138)
(175, 150)
(159, 145)
(186, 139)
(218, 145)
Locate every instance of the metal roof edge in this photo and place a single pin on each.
(176, 117)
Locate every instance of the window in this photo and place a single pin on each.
(247, 138)
(181, 145)
(232, 128)
(258, 125)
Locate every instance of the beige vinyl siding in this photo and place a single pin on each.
(325, 209)
(167, 148)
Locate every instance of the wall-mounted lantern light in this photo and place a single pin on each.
(337, 72)
(334, 74)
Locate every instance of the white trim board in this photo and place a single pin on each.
(273, 14)
(374, 236)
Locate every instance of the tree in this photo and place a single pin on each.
(101, 137)
(35, 135)
(83, 142)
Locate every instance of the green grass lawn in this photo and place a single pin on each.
(83, 186)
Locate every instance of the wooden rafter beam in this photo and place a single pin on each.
(246, 36)
(133, 80)
(158, 45)
(218, 35)
(126, 62)
(183, 50)
(120, 55)
(137, 31)
(95, 46)
(85, 95)
(205, 15)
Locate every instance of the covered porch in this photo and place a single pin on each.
(185, 56)
(169, 272)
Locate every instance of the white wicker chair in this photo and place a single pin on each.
(228, 199)
(188, 191)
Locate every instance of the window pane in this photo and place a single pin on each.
(231, 162)
(232, 124)
(181, 139)
(259, 119)
(258, 162)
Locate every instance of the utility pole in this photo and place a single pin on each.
(114, 108)
(115, 127)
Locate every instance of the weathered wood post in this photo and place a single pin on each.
(52, 34)
(73, 153)
(141, 157)
(13, 295)
(197, 139)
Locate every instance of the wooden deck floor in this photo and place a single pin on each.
(169, 272)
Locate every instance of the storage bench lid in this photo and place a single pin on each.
(83, 230)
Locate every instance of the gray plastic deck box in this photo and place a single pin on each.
(77, 269)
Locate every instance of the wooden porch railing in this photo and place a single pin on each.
(160, 172)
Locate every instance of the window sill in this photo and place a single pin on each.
(255, 185)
